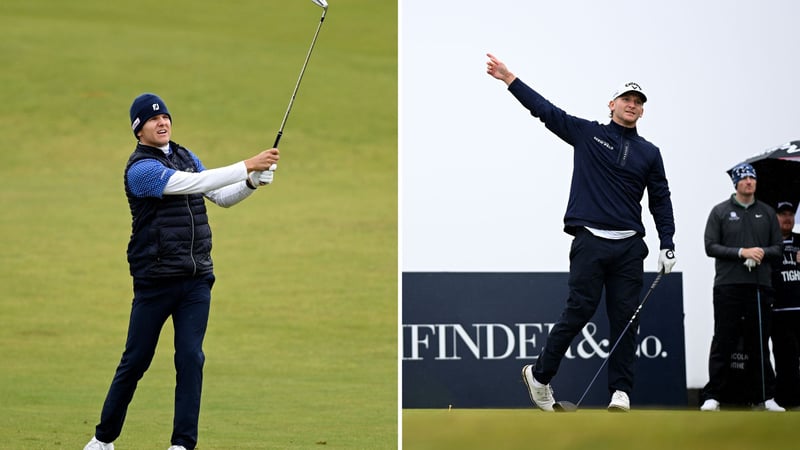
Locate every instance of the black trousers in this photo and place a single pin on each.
(188, 301)
(596, 264)
(736, 317)
(786, 350)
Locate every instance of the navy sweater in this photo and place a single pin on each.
(612, 166)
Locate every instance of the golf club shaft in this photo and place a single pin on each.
(300, 78)
(760, 333)
(761, 341)
(624, 330)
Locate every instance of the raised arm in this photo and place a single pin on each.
(497, 69)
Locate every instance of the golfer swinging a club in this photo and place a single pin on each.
(612, 167)
(169, 256)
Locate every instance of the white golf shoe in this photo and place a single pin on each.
(770, 405)
(619, 402)
(94, 444)
(710, 405)
(177, 447)
(541, 394)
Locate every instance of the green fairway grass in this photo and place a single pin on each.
(301, 349)
(597, 429)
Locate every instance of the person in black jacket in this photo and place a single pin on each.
(169, 255)
(743, 237)
(786, 312)
(613, 165)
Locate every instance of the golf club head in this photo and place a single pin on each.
(321, 3)
(564, 406)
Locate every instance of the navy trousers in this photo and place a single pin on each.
(596, 264)
(187, 301)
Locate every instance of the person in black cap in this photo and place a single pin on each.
(786, 311)
(743, 237)
(612, 167)
(169, 255)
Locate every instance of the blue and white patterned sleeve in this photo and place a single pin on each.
(148, 178)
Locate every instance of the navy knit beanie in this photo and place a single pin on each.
(741, 171)
(143, 108)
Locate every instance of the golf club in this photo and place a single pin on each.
(324, 5)
(760, 340)
(760, 333)
(565, 406)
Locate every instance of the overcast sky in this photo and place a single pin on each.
(483, 185)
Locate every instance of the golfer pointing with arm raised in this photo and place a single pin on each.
(612, 167)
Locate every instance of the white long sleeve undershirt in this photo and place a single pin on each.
(225, 186)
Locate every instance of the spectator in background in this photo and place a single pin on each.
(743, 236)
(786, 312)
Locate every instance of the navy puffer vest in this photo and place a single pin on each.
(170, 236)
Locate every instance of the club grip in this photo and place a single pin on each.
(277, 139)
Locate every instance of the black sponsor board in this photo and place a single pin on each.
(467, 335)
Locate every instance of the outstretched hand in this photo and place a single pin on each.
(258, 178)
(497, 69)
(263, 160)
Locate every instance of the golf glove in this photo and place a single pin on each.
(666, 259)
(750, 263)
(261, 178)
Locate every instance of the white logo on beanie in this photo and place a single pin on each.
(156, 107)
(135, 123)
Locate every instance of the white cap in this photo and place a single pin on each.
(629, 87)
